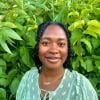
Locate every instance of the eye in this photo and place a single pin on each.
(61, 44)
(45, 43)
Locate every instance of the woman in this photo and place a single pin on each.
(53, 79)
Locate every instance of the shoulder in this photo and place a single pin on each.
(23, 86)
(28, 76)
(81, 79)
(84, 88)
(31, 72)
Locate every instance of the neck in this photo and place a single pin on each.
(52, 73)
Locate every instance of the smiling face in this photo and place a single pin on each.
(53, 47)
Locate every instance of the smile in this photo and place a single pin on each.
(53, 59)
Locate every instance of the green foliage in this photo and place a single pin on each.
(18, 24)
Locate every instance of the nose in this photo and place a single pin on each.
(53, 49)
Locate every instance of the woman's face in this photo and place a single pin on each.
(53, 47)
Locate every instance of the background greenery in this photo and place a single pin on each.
(18, 24)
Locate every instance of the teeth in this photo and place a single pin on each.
(53, 60)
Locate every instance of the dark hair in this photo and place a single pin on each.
(40, 31)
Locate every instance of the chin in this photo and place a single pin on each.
(53, 66)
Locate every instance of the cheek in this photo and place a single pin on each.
(65, 53)
(42, 51)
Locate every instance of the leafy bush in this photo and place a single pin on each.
(18, 24)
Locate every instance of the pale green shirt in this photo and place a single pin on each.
(73, 86)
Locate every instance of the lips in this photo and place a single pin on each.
(53, 59)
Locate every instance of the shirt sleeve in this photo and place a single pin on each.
(21, 91)
(87, 92)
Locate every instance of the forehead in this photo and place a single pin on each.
(54, 31)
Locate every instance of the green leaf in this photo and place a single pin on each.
(97, 57)
(7, 24)
(1, 17)
(24, 54)
(3, 75)
(8, 32)
(0, 71)
(15, 12)
(76, 36)
(2, 5)
(2, 94)
(73, 13)
(5, 46)
(87, 43)
(3, 64)
(14, 85)
(93, 28)
(93, 81)
(95, 42)
(30, 38)
(77, 24)
(59, 16)
(11, 75)
(89, 65)
(19, 26)
(93, 31)
(3, 82)
(94, 23)
(78, 49)
(30, 7)
(97, 63)
(83, 64)
(19, 3)
(85, 12)
(75, 64)
(90, 32)
(10, 57)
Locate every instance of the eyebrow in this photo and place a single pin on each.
(48, 38)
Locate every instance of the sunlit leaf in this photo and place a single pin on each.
(94, 23)
(74, 13)
(1, 17)
(76, 35)
(59, 16)
(90, 32)
(19, 3)
(78, 49)
(7, 24)
(77, 24)
(89, 65)
(87, 43)
(85, 12)
(8, 32)
(2, 5)
(83, 64)
(95, 42)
